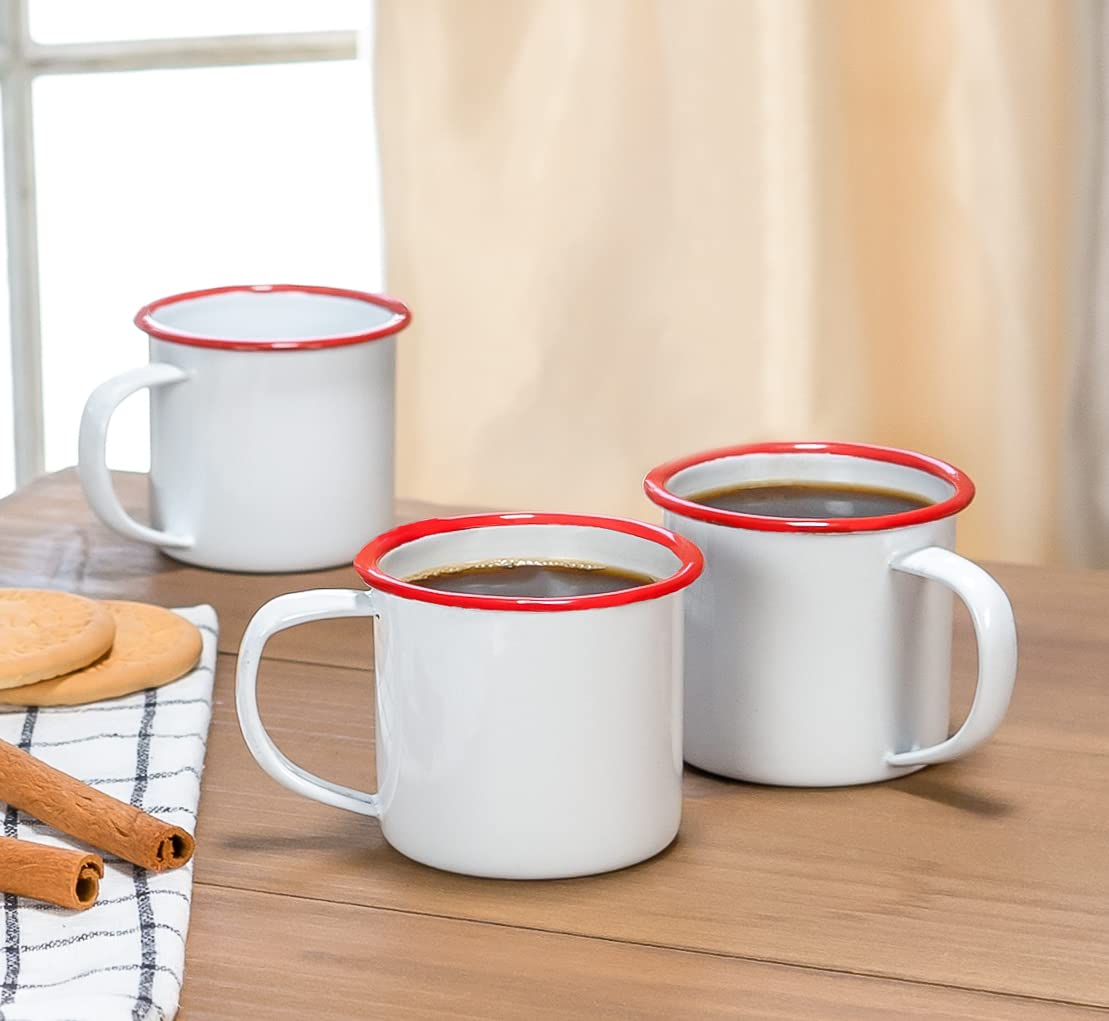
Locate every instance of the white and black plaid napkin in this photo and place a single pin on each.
(124, 957)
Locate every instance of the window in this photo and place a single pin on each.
(155, 148)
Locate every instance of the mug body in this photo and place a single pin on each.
(808, 659)
(276, 454)
(521, 740)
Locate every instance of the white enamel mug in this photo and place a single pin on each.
(818, 652)
(518, 738)
(271, 426)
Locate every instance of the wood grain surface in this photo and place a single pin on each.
(973, 889)
(287, 959)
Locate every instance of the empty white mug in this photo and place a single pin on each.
(818, 652)
(271, 426)
(519, 738)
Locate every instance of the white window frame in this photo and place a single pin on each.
(21, 61)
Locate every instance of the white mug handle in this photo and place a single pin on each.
(278, 614)
(996, 631)
(92, 464)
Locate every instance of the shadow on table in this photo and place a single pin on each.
(937, 784)
(298, 840)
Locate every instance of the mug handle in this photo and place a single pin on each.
(996, 632)
(92, 465)
(278, 614)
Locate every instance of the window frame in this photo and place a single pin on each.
(22, 60)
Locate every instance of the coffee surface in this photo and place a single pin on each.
(530, 579)
(810, 500)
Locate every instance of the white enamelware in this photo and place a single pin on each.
(818, 652)
(271, 426)
(518, 738)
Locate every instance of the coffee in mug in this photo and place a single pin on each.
(810, 500)
(520, 734)
(535, 579)
(818, 641)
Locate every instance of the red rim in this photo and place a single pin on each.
(656, 482)
(366, 563)
(144, 320)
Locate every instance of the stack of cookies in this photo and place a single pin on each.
(61, 649)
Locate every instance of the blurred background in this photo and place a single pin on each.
(628, 229)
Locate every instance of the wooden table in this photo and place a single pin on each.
(978, 889)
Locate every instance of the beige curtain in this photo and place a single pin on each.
(1087, 440)
(635, 228)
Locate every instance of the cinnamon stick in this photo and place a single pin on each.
(69, 879)
(91, 816)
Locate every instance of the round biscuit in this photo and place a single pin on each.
(44, 633)
(152, 647)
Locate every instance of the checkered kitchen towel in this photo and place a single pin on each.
(124, 957)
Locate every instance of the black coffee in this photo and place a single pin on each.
(810, 500)
(531, 579)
